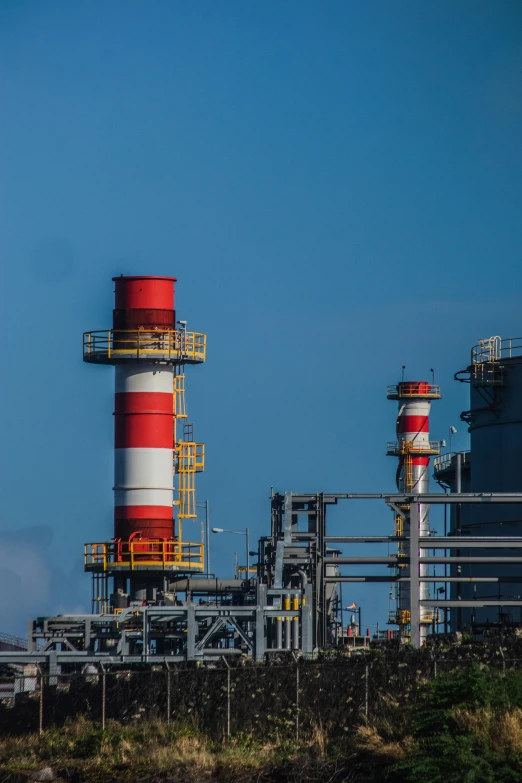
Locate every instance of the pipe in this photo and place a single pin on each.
(394, 559)
(472, 604)
(222, 650)
(279, 633)
(364, 539)
(288, 624)
(369, 578)
(433, 542)
(470, 560)
(295, 624)
(390, 559)
(304, 578)
(204, 585)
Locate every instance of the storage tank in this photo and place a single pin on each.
(495, 426)
(453, 472)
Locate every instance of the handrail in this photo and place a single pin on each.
(495, 349)
(175, 345)
(444, 461)
(413, 447)
(407, 389)
(14, 641)
(138, 554)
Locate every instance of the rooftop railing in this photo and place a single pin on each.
(445, 460)
(398, 448)
(411, 389)
(495, 349)
(169, 345)
(138, 554)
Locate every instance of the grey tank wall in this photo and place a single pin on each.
(496, 449)
(496, 440)
(462, 617)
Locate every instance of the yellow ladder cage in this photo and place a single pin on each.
(189, 458)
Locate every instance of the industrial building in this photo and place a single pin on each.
(154, 599)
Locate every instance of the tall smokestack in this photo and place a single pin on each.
(148, 353)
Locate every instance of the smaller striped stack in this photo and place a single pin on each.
(413, 449)
(413, 428)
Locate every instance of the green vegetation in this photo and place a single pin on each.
(464, 726)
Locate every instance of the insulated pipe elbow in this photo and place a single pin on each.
(304, 578)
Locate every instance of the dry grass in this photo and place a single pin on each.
(501, 732)
(155, 747)
(148, 747)
(320, 738)
(375, 740)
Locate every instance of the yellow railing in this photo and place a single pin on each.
(190, 459)
(403, 617)
(179, 409)
(166, 345)
(415, 448)
(410, 389)
(162, 555)
(399, 617)
(429, 616)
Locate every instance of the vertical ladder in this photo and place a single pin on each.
(189, 457)
(408, 467)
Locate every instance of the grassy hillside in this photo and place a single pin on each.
(464, 726)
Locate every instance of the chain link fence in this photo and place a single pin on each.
(288, 700)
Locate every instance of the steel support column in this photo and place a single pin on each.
(415, 613)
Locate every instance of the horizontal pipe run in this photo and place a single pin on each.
(214, 651)
(469, 604)
(435, 542)
(390, 559)
(454, 497)
(387, 579)
(491, 542)
(472, 559)
(271, 612)
(394, 559)
(428, 497)
(507, 579)
(363, 539)
(206, 585)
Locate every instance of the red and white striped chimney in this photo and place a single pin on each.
(143, 423)
(413, 449)
(413, 426)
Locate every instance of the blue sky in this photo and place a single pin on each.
(337, 187)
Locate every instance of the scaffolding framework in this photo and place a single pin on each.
(271, 614)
